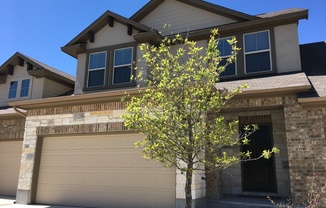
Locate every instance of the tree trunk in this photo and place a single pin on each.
(188, 186)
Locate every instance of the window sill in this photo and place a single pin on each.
(110, 88)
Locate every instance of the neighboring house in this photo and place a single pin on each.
(78, 152)
(22, 78)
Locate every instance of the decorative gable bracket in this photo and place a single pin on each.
(129, 26)
(29, 66)
(3, 78)
(10, 69)
(111, 21)
(91, 36)
(21, 61)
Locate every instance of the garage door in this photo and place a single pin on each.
(102, 171)
(10, 155)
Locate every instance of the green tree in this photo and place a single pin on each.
(172, 109)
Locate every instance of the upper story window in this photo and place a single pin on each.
(13, 89)
(24, 88)
(226, 52)
(122, 66)
(96, 69)
(257, 52)
(110, 68)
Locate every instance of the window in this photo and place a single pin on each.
(257, 52)
(122, 66)
(96, 69)
(24, 88)
(226, 52)
(13, 89)
(110, 68)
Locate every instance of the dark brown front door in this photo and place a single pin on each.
(259, 175)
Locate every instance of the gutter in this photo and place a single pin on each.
(19, 112)
(82, 99)
(313, 102)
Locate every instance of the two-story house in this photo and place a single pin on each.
(78, 152)
(22, 78)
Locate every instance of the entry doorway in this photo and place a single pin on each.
(259, 175)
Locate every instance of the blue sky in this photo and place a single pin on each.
(38, 28)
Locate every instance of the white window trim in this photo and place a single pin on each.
(97, 69)
(226, 57)
(258, 51)
(117, 66)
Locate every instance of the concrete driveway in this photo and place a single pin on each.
(9, 202)
(227, 202)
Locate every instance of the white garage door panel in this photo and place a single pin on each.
(102, 171)
(10, 155)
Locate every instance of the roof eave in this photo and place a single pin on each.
(10, 116)
(99, 97)
(74, 50)
(152, 37)
(39, 72)
(273, 92)
(82, 99)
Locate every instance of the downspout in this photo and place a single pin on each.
(19, 112)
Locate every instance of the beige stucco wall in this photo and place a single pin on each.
(80, 73)
(287, 48)
(111, 36)
(182, 17)
(52, 89)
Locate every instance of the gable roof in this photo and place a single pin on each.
(38, 69)
(233, 14)
(147, 34)
(78, 43)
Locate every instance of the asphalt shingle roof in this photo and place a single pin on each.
(267, 83)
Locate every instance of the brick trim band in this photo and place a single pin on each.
(260, 119)
(82, 128)
(78, 109)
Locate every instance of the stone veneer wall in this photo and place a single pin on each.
(74, 120)
(12, 129)
(304, 130)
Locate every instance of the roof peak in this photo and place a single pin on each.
(201, 4)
